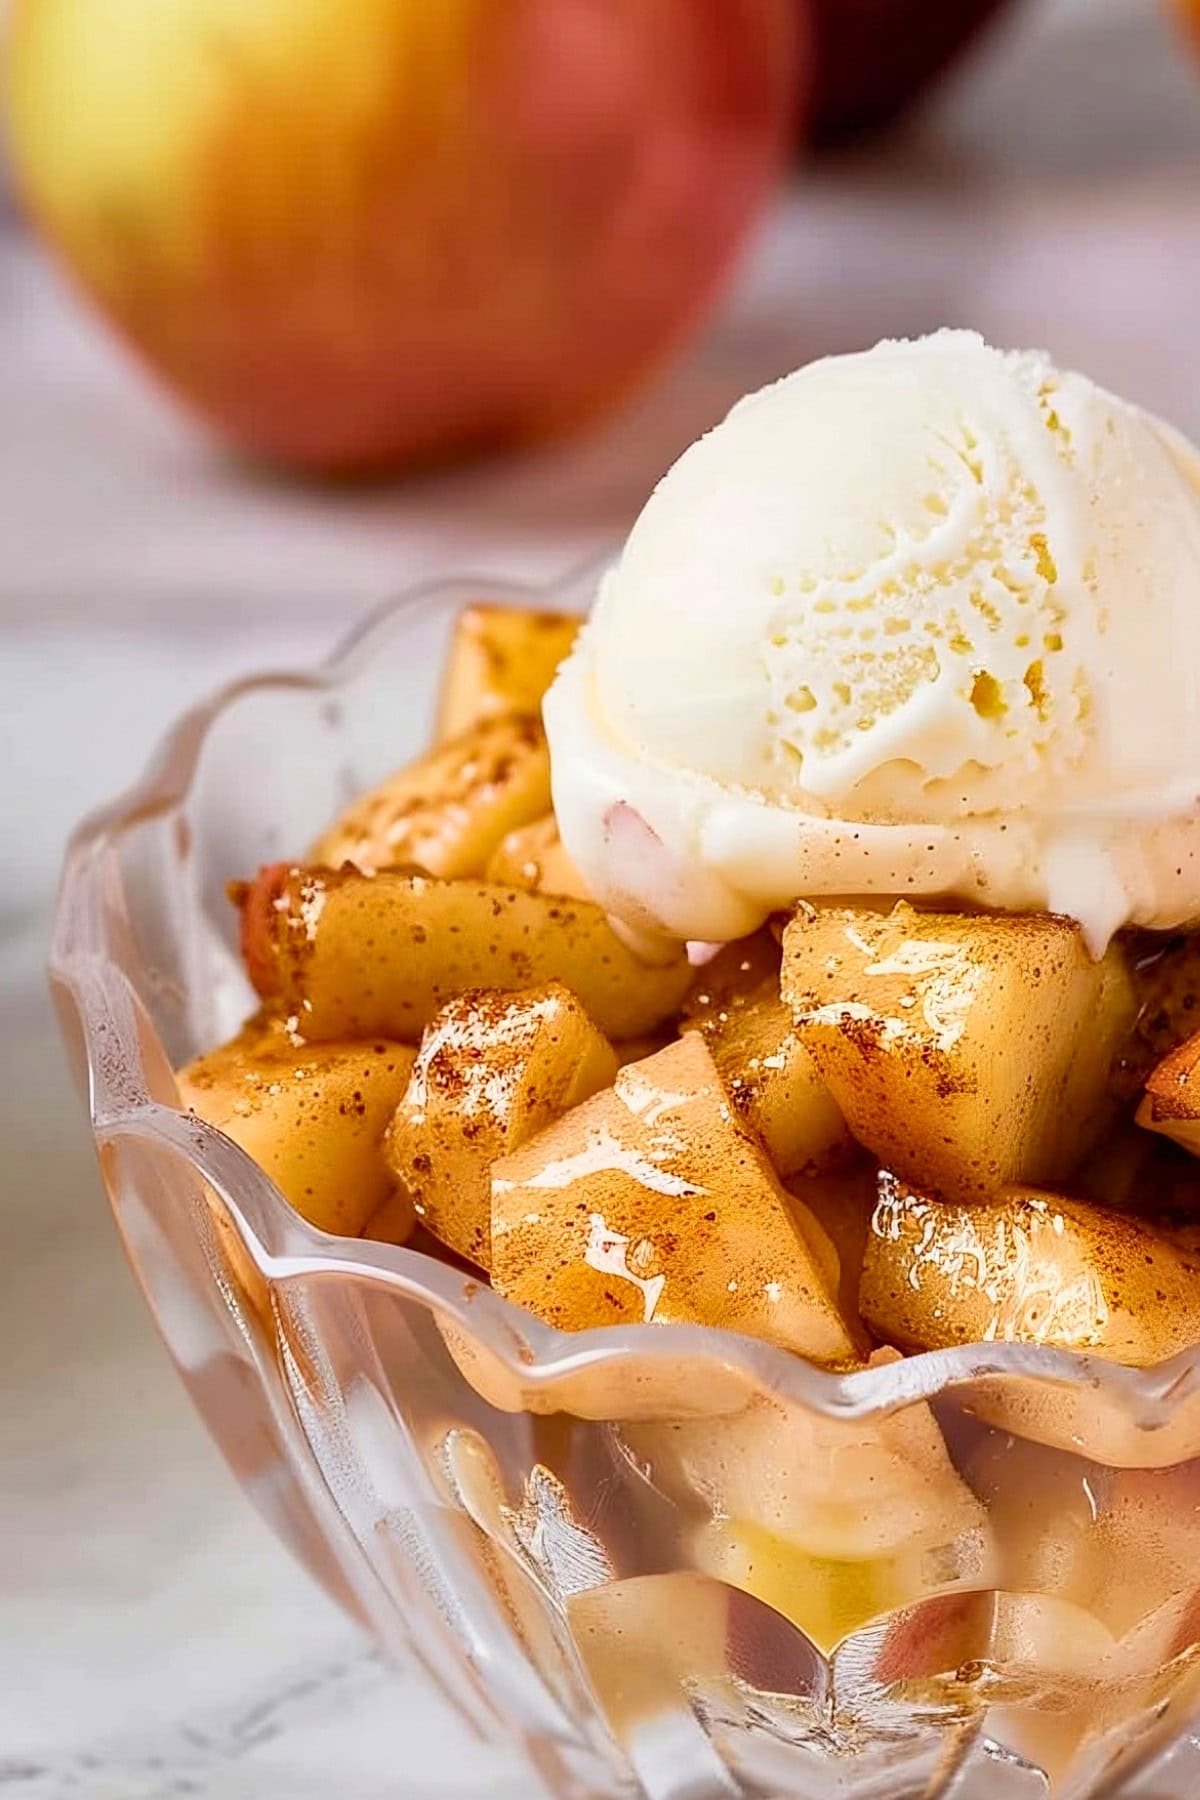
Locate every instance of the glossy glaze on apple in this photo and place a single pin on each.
(867, 1130)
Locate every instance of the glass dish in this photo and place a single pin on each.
(665, 1562)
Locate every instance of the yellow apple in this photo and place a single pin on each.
(356, 233)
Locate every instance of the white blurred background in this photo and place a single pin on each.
(1051, 195)
(1048, 196)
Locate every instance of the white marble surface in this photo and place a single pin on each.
(153, 1639)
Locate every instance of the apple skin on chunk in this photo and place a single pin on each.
(447, 812)
(965, 1051)
(1031, 1268)
(351, 955)
(312, 1116)
(493, 1069)
(501, 660)
(652, 1202)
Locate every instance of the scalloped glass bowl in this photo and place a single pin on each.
(665, 1562)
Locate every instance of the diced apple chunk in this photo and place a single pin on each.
(493, 1069)
(1099, 1565)
(646, 1642)
(533, 857)
(501, 660)
(351, 955)
(448, 812)
(843, 1204)
(1030, 1267)
(311, 1116)
(736, 1006)
(965, 1051)
(1121, 1543)
(651, 1202)
(1172, 1102)
(394, 1221)
(832, 1522)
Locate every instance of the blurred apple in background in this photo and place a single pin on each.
(875, 57)
(1187, 12)
(363, 233)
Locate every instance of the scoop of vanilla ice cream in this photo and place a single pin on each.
(920, 620)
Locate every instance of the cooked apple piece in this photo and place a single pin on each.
(1122, 1545)
(447, 812)
(1166, 979)
(843, 1204)
(648, 1641)
(533, 857)
(1090, 1418)
(727, 982)
(965, 1051)
(1046, 1634)
(501, 660)
(830, 1521)
(493, 1069)
(829, 1596)
(653, 1202)
(1172, 1102)
(392, 1222)
(1030, 1267)
(736, 1006)
(312, 1116)
(351, 955)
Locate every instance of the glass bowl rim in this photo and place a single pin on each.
(537, 1356)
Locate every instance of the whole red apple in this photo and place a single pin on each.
(873, 58)
(363, 233)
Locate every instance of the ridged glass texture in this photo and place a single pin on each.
(665, 1562)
